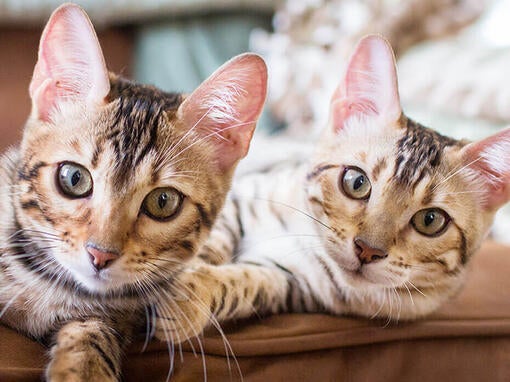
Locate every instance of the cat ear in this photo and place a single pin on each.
(70, 63)
(227, 105)
(369, 87)
(490, 159)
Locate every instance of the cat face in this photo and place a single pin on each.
(406, 206)
(121, 182)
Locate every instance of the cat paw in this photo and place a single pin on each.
(188, 323)
(187, 314)
(80, 354)
(62, 370)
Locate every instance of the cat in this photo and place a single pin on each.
(113, 189)
(381, 221)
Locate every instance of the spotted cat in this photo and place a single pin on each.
(112, 191)
(381, 221)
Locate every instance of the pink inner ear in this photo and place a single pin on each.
(225, 108)
(47, 96)
(70, 63)
(369, 87)
(490, 159)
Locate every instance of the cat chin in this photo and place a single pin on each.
(358, 279)
(354, 274)
(367, 279)
(97, 283)
(80, 270)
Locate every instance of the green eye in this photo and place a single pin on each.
(431, 221)
(74, 180)
(162, 203)
(355, 183)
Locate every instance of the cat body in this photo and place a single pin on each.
(112, 191)
(286, 213)
(381, 221)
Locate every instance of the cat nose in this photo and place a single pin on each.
(101, 258)
(366, 254)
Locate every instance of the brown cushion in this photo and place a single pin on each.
(467, 340)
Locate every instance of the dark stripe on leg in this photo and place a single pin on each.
(109, 362)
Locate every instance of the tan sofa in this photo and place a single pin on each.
(467, 340)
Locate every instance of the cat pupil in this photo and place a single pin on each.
(75, 179)
(359, 182)
(429, 218)
(162, 200)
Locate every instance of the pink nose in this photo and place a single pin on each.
(367, 254)
(99, 258)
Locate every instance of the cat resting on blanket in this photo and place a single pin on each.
(381, 222)
(113, 189)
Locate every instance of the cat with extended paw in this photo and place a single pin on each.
(381, 222)
(113, 189)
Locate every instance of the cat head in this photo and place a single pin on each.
(406, 206)
(121, 182)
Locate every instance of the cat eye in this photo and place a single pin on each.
(162, 203)
(74, 180)
(355, 183)
(430, 222)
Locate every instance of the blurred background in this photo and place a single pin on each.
(453, 55)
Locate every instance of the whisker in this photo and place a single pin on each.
(13, 298)
(297, 210)
(215, 133)
(190, 131)
(455, 172)
(170, 346)
(215, 323)
(409, 292)
(417, 289)
(187, 319)
(462, 192)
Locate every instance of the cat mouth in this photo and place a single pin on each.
(99, 280)
(356, 276)
(354, 273)
(100, 276)
(352, 270)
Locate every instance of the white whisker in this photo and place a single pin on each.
(455, 172)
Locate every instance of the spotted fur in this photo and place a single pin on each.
(286, 239)
(131, 140)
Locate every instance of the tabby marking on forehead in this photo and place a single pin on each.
(418, 153)
(140, 113)
(378, 168)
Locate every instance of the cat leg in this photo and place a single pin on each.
(226, 233)
(85, 351)
(185, 311)
(210, 294)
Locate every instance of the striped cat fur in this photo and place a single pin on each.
(380, 222)
(113, 189)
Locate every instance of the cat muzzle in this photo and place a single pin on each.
(367, 254)
(100, 258)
